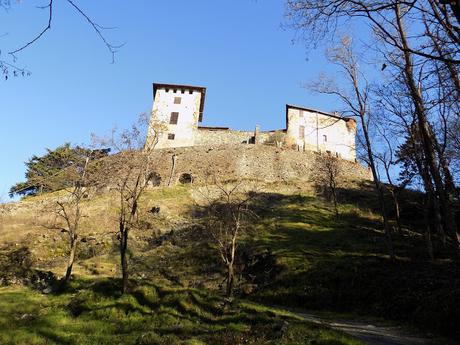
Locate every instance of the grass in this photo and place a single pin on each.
(92, 312)
(299, 256)
(342, 265)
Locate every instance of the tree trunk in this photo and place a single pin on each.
(334, 197)
(378, 188)
(230, 280)
(124, 260)
(173, 169)
(71, 260)
(429, 243)
(397, 212)
(426, 133)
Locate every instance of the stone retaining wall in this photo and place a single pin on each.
(232, 162)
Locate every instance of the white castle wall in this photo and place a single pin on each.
(322, 133)
(187, 124)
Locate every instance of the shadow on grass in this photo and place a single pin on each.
(342, 265)
(150, 314)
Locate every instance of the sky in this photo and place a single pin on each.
(250, 63)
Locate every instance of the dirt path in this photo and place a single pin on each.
(371, 333)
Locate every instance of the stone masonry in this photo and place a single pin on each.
(236, 162)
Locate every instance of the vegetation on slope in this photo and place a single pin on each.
(300, 255)
(93, 312)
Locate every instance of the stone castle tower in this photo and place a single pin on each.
(179, 108)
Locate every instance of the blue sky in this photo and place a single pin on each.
(236, 48)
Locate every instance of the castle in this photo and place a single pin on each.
(179, 110)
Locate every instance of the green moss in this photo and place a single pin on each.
(91, 312)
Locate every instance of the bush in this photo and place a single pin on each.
(15, 266)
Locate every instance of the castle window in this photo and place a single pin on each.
(301, 132)
(167, 90)
(177, 100)
(171, 136)
(175, 90)
(174, 118)
(182, 91)
(324, 138)
(190, 91)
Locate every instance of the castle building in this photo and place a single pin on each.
(178, 111)
(316, 130)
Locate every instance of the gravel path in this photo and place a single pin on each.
(371, 333)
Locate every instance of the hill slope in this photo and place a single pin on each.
(299, 256)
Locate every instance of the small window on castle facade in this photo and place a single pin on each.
(301, 132)
(324, 138)
(190, 91)
(177, 100)
(171, 136)
(175, 90)
(174, 118)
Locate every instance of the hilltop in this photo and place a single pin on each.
(299, 256)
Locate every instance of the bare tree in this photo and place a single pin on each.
(68, 208)
(356, 99)
(9, 66)
(321, 19)
(429, 141)
(328, 171)
(227, 209)
(70, 211)
(398, 120)
(387, 157)
(129, 170)
(420, 43)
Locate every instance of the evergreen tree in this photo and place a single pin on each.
(44, 173)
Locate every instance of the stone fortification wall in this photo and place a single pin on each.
(206, 136)
(221, 136)
(230, 162)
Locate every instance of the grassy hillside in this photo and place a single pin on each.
(299, 256)
(92, 312)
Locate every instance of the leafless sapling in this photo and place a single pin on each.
(128, 170)
(227, 211)
(329, 175)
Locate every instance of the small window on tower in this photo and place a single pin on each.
(174, 118)
(301, 132)
(177, 100)
(324, 138)
(171, 136)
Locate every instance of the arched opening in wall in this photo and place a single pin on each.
(185, 179)
(154, 179)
